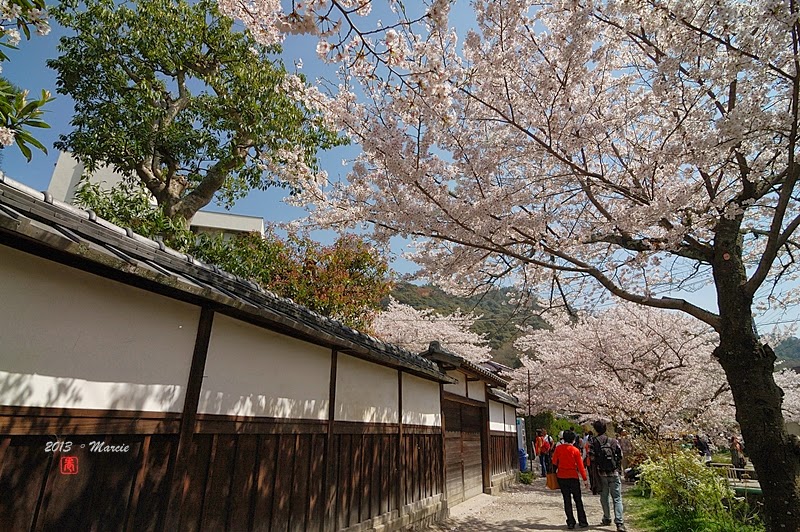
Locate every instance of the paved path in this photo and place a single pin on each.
(521, 508)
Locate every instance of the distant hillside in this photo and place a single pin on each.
(788, 353)
(499, 318)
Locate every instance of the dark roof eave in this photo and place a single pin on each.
(504, 397)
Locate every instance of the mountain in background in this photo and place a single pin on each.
(788, 353)
(499, 319)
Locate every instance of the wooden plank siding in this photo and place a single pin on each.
(503, 454)
(464, 468)
(270, 477)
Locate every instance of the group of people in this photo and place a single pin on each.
(597, 460)
(738, 459)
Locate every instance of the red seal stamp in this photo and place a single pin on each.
(69, 465)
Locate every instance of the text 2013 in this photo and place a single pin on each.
(55, 446)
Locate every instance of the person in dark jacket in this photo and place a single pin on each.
(567, 458)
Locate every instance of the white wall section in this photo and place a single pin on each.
(70, 339)
(365, 391)
(511, 418)
(459, 388)
(496, 416)
(251, 371)
(477, 390)
(421, 402)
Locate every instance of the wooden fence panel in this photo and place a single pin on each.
(269, 477)
(503, 453)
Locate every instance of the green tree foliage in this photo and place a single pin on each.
(17, 113)
(499, 319)
(170, 95)
(346, 280)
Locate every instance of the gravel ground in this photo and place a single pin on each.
(531, 507)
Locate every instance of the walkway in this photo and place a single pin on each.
(522, 508)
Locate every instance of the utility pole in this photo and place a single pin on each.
(529, 391)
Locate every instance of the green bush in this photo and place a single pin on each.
(692, 496)
(526, 477)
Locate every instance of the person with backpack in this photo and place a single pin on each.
(606, 457)
(569, 467)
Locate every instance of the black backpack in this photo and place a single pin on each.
(605, 454)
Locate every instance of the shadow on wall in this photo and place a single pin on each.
(260, 404)
(52, 391)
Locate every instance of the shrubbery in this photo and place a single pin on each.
(692, 496)
(526, 477)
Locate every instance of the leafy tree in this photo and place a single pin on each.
(603, 148)
(171, 96)
(17, 112)
(346, 280)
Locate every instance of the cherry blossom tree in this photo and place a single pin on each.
(645, 368)
(635, 148)
(414, 330)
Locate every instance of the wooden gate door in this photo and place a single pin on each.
(464, 474)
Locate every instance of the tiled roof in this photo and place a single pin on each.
(32, 220)
(438, 353)
(503, 397)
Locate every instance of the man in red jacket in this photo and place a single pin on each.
(567, 458)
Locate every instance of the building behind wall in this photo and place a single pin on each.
(67, 176)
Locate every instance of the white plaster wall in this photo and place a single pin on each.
(477, 390)
(67, 175)
(511, 418)
(365, 391)
(459, 388)
(252, 371)
(70, 339)
(496, 416)
(421, 402)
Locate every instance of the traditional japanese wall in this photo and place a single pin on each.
(476, 390)
(458, 388)
(251, 371)
(365, 392)
(510, 419)
(71, 339)
(496, 421)
(421, 402)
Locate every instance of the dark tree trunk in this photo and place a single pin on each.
(749, 366)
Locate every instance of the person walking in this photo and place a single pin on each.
(569, 466)
(701, 444)
(543, 447)
(738, 459)
(606, 457)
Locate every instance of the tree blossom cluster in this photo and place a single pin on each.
(17, 113)
(601, 140)
(414, 330)
(16, 14)
(646, 369)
